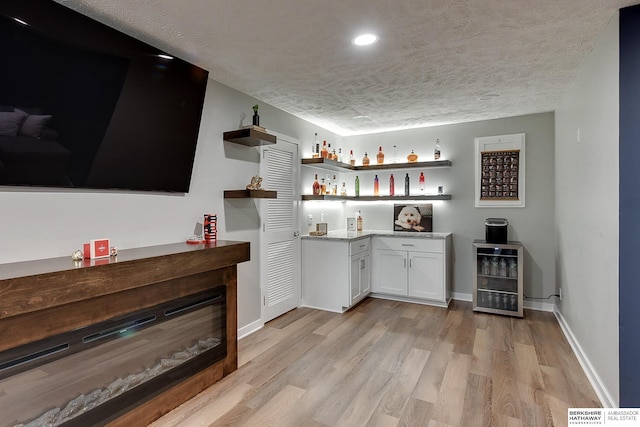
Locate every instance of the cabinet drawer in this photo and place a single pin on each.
(410, 244)
(359, 246)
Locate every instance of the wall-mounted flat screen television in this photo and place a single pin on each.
(83, 105)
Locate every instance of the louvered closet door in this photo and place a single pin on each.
(280, 244)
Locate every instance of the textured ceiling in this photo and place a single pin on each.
(435, 61)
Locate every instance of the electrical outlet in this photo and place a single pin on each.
(310, 219)
(560, 293)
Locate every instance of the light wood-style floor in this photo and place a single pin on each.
(388, 363)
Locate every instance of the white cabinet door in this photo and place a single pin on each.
(354, 280)
(391, 267)
(365, 273)
(426, 275)
(360, 276)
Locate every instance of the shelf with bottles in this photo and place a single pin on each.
(307, 197)
(497, 302)
(334, 165)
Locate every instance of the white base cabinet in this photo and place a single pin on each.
(413, 269)
(336, 274)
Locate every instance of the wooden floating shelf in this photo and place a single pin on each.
(376, 198)
(339, 166)
(250, 137)
(250, 194)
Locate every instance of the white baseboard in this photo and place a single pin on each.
(606, 399)
(458, 296)
(532, 305)
(540, 306)
(250, 328)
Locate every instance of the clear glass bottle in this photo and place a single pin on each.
(392, 186)
(357, 186)
(421, 183)
(358, 221)
(376, 186)
(324, 153)
(323, 187)
(352, 160)
(513, 268)
(334, 187)
(316, 186)
(406, 185)
(343, 190)
(365, 160)
(339, 155)
(436, 150)
(314, 148)
(502, 269)
(495, 266)
(485, 269)
(395, 155)
(380, 156)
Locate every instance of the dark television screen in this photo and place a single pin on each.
(85, 106)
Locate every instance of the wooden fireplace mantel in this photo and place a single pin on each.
(43, 298)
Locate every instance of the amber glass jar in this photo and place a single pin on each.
(412, 157)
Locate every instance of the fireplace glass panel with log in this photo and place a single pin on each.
(95, 374)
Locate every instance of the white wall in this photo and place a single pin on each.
(43, 223)
(532, 225)
(586, 215)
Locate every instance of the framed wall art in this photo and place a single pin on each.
(418, 218)
(500, 171)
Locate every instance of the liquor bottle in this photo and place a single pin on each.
(358, 221)
(339, 155)
(412, 157)
(314, 146)
(365, 160)
(329, 156)
(406, 185)
(343, 190)
(324, 153)
(357, 186)
(421, 183)
(352, 161)
(395, 155)
(376, 186)
(380, 156)
(334, 155)
(323, 187)
(392, 186)
(316, 186)
(436, 151)
(334, 187)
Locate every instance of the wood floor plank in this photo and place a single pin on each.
(402, 385)
(453, 390)
(388, 363)
(478, 403)
(428, 387)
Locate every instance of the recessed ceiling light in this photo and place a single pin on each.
(20, 21)
(164, 56)
(365, 39)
